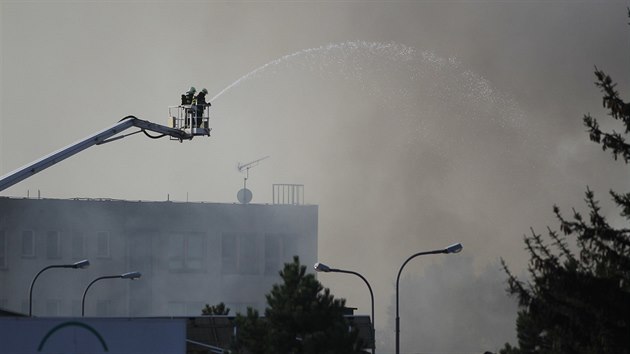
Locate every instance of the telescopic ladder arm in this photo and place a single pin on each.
(29, 170)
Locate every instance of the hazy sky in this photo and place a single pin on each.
(412, 124)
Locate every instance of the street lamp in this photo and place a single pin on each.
(320, 267)
(78, 265)
(454, 248)
(130, 275)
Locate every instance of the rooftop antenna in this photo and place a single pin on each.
(244, 196)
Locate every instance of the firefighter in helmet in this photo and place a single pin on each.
(200, 105)
(187, 97)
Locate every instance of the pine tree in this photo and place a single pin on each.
(215, 310)
(579, 302)
(301, 317)
(252, 333)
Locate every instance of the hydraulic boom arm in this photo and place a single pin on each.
(104, 136)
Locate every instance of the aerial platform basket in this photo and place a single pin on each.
(192, 119)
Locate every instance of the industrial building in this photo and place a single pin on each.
(189, 254)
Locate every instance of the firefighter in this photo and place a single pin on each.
(189, 112)
(200, 105)
(187, 97)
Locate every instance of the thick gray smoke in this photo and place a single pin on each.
(450, 122)
(424, 153)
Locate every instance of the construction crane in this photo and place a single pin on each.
(183, 124)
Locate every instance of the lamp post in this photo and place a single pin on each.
(78, 265)
(130, 275)
(320, 267)
(454, 248)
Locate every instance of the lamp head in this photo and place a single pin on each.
(81, 264)
(321, 267)
(454, 248)
(131, 275)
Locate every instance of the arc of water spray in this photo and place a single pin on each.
(401, 49)
(479, 87)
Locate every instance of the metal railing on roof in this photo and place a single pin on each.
(292, 194)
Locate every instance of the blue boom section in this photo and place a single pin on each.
(104, 136)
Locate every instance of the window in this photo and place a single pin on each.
(3, 249)
(28, 244)
(176, 252)
(273, 253)
(229, 258)
(239, 253)
(102, 244)
(140, 252)
(53, 245)
(279, 248)
(194, 308)
(184, 308)
(176, 308)
(76, 308)
(140, 307)
(103, 308)
(186, 251)
(248, 262)
(52, 307)
(78, 245)
(194, 251)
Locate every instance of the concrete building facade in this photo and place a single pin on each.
(189, 254)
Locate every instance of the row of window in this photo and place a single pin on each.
(239, 252)
(186, 251)
(53, 245)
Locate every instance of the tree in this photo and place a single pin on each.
(215, 310)
(301, 317)
(579, 301)
(252, 333)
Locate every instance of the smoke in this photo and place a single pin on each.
(404, 151)
(450, 308)
(452, 122)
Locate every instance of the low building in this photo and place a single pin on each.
(189, 254)
(214, 334)
(168, 335)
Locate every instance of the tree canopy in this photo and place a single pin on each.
(301, 317)
(215, 310)
(577, 299)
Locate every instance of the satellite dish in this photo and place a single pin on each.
(244, 196)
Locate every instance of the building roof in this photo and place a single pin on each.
(8, 313)
(217, 332)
